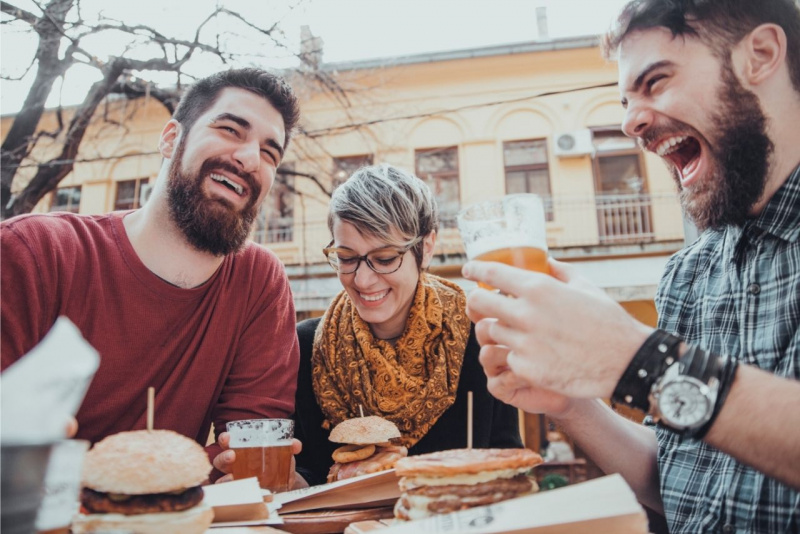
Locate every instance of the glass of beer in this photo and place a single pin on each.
(264, 450)
(509, 230)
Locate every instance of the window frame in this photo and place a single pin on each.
(355, 162)
(69, 207)
(139, 183)
(608, 131)
(547, 199)
(446, 218)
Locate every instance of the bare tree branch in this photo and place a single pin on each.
(64, 43)
(19, 13)
(18, 78)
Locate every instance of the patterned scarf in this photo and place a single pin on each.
(411, 383)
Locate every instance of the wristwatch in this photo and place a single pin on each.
(684, 397)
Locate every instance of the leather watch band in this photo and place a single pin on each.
(659, 351)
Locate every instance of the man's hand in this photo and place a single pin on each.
(224, 461)
(562, 335)
(510, 388)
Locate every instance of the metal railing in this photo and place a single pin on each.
(576, 222)
(624, 218)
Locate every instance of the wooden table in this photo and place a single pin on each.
(330, 521)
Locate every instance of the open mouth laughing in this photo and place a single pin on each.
(684, 152)
(233, 186)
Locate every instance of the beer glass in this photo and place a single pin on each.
(264, 450)
(510, 230)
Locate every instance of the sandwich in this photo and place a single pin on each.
(144, 481)
(457, 479)
(368, 447)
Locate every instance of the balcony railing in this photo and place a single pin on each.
(624, 218)
(577, 222)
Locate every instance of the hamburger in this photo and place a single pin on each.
(144, 481)
(368, 447)
(457, 479)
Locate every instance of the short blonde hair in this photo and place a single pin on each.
(382, 201)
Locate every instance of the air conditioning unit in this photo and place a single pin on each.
(573, 144)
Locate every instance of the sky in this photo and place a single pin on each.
(350, 29)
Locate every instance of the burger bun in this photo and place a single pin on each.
(145, 461)
(364, 431)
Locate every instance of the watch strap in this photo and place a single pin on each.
(725, 369)
(658, 352)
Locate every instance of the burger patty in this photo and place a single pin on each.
(104, 503)
(516, 485)
(446, 499)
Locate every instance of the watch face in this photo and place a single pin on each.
(682, 404)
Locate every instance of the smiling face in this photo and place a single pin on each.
(711, 135)
(222, 169)
(382, 300)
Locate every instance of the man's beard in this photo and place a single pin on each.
(210, 225)
(740, 156)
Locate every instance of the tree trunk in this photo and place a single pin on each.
(16, 145)
(48, 176)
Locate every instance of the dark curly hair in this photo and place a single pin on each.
(721, 24)
(202, 95)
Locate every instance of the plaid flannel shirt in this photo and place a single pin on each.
(734, 291)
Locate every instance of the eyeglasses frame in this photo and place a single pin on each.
(401, 252)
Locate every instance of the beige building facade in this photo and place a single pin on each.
(541, 117)
(476, 124)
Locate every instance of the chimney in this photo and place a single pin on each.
(541, 23)
(310, 47)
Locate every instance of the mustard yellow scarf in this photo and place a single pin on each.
(411, 383)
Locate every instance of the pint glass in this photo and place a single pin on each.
(263, 449)
(510, 230)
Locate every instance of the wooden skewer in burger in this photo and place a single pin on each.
(457, 479)
(146, 482)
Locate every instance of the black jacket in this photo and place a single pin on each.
(495, 424)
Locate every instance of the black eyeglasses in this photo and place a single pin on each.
(384, 260)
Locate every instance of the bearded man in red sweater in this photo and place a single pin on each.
(172, 295)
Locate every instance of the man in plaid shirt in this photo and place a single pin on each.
(712, 87)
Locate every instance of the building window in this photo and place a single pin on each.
(275, 221)
(344, 167)
(132, 194)
(439, 168)
(617, 163)
(621, 196)
(527, 170)
(67, 199)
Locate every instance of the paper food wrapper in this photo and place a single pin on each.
(599, 506)
(46, 386)
(240, 503)
(365, 491)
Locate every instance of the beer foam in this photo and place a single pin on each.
(508, 240)
(261, 433)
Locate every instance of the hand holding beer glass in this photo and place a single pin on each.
(510, 230)
(263, 449)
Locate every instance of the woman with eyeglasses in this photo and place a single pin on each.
(396, 342)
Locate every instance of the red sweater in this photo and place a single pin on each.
(223, 351)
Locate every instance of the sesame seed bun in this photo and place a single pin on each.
(364, 431)
(145, 461)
